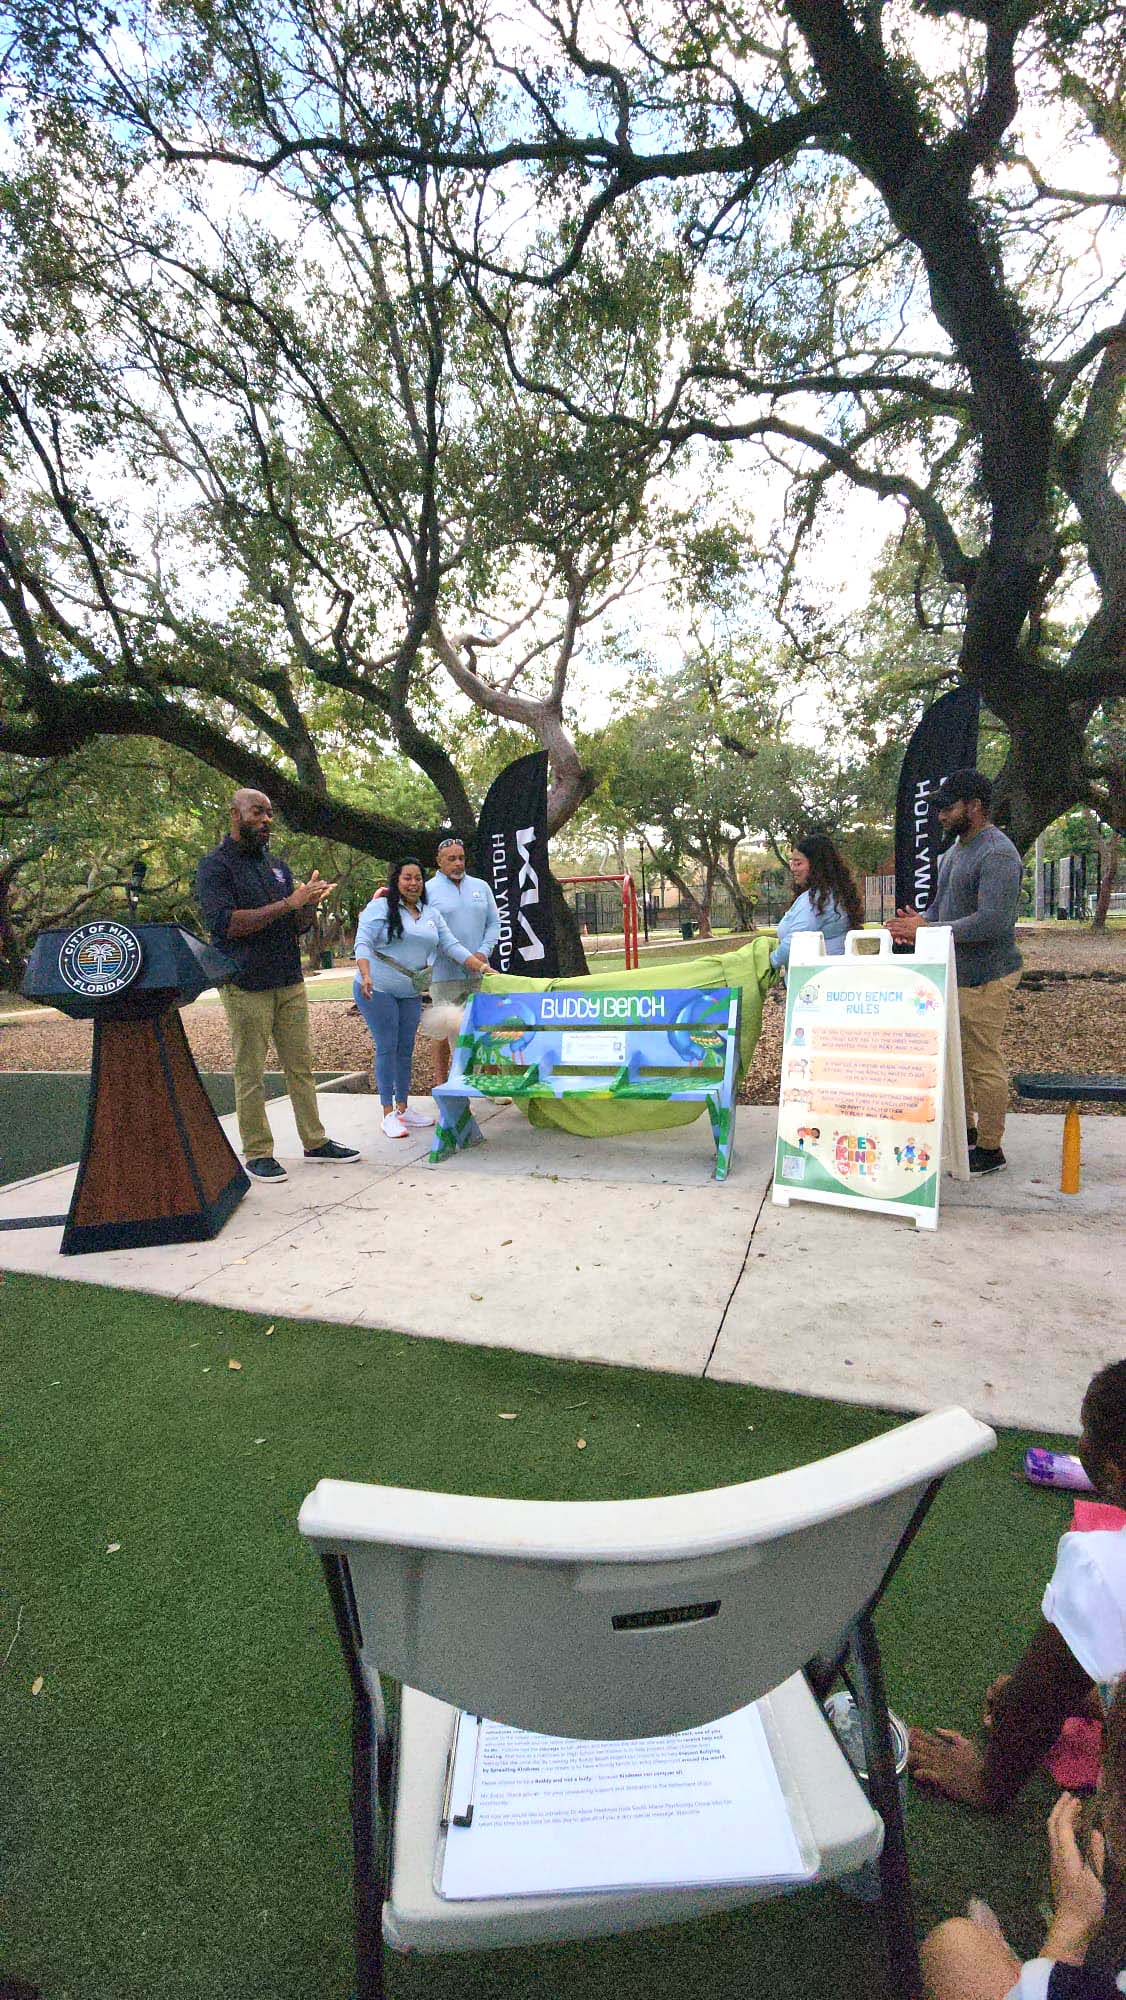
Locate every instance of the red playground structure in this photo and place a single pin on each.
(629, 909)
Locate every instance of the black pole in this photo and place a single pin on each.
(370, 1779)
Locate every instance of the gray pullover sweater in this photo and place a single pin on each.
(977, 894)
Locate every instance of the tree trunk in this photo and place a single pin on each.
(1110, 851)
(705, 902)
(1044, 774)
(12, 960)
(743, 902)
(689, 896)
(313, 944)
(572, 957)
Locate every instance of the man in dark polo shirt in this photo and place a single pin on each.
(255, 913)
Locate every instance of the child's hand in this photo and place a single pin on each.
(1078, 1895)
(948, 1763)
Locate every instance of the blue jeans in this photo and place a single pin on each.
(393, 1025)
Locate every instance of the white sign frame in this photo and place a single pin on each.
(933, 951)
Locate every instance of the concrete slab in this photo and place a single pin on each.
(626, 1254)
(627, 1251)
(1008, 1307)
(266, 1214)
(585, 1283)
(682, 1156)
(532, 1266)
(1031, 1182)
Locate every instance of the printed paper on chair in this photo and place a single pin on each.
(554, 1815)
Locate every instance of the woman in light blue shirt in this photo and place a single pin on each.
(827, 898)
(397, 941)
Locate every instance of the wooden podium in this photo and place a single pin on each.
(156, 1164)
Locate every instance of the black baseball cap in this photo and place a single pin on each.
(964, 785)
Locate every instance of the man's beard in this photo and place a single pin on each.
(256, 837)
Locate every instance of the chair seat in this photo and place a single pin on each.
(834, 1822)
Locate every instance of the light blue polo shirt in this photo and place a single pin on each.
(423, 942)
(470, 910)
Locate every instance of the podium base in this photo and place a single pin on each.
(156, 1165)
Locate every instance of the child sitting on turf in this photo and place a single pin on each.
(1079, 1645)
(1084, 1951)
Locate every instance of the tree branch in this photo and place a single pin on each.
(1085, 469)
(66, 718)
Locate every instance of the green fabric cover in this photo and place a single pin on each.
(601, 1117)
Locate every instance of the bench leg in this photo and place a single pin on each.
(1069, 1165)
(723, 1132)
(456, 1128)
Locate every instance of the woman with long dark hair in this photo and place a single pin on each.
(826, 898)
(397, 941)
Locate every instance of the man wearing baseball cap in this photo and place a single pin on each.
(977, 894)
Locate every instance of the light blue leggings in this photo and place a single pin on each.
(393, 1025)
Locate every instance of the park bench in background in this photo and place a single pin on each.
(1071, 1091)
(670, 1044)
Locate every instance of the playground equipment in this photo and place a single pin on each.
(629, 909)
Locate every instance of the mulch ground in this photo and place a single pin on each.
(1069, 1013)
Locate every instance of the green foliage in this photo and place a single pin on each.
(349, 355)
(702, 762)
(276, 451)
(71, 830)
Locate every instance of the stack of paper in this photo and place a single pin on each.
(539, 1815)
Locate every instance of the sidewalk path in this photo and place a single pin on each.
(627, 1251)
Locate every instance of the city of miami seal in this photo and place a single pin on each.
(99, 959)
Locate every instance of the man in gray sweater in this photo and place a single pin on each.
(977, 894)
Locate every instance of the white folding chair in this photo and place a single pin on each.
(616, 1619)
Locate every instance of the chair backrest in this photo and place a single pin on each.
(629, 1617)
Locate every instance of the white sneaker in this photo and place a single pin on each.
(393, 1126)
(410, 1117)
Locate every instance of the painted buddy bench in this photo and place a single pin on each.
(674, 1045)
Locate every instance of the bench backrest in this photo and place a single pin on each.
(659, 1041)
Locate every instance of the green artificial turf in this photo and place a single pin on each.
(174, 1820)
(43, 1116)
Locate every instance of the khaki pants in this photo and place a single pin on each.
(982, 1013)
(280, 1014)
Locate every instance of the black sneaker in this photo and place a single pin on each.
(331, 1154)
(266, 1170)
(987, 1160)
(971, 1135)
